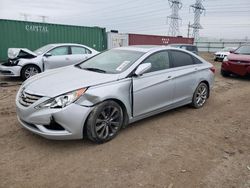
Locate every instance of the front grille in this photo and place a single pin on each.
(27, 99)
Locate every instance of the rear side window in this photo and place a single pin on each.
(181, 59)
(159, 61)
(79, 50)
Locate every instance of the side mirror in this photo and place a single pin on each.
(48, 54)
(142, 68)
(231, 51)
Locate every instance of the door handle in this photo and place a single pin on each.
(196, 69)
(67, 58)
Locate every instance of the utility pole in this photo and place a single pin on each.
(175, 5)
(25, 16)
(43, 18)
(198, 9)
(188, 29)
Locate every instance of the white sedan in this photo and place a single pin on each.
(220, 55)
(25, 63)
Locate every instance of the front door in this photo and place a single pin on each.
(59, 58)
(154, 89)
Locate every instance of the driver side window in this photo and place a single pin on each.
(59, 51)
(159, 61)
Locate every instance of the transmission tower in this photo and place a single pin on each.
(198, 9)
(175, 5)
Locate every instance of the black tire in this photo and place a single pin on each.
(200, 95)
(104, 122)
(224, 73)
(29, 71)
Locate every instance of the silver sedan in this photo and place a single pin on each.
(98, 97)
(25, 63)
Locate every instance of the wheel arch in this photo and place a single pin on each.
(119, 102)
(29, 64)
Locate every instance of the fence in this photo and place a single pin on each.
(215, 46)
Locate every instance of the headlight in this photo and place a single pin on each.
(225, 59)
(62, 100)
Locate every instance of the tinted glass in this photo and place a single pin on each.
(181, 59)
(159, 61)
(79, 50)
(244, 50)
(112, 61)
(59, 51)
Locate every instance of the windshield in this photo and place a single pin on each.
(227, 49)
(112, 61)
(43, 49)
(244, 50)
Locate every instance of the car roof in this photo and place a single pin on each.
(177, 44)
(64, 44)
(143, 48)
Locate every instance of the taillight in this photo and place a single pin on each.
(212, 69)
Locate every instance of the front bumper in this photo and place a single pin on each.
(219, 57)
(70, 119)
(240, 69)
(13, 71)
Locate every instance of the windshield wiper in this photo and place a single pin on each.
(95, 70)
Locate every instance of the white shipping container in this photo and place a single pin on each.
(117, 40)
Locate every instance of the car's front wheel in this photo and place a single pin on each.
(224, 73)
(29, 71)
(200, 95)
(104, 122)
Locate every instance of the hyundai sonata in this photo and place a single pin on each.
(101, 95)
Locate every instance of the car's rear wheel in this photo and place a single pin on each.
(224, 73)
(29, 71)
(200, 95)
(104, 122)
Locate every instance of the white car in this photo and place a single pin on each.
(25, 63)
(220, 55)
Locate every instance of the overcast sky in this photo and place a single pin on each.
(223, 18)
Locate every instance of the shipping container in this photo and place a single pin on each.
(116, 40)
(32, 35)
(138, 39)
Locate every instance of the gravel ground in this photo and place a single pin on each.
(185, 147)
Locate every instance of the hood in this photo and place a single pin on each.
(238, 57)
(62, 80)
(20, 53)
(222, 53)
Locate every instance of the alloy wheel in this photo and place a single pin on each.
(108, 122)
(30, 71)
(201, 95)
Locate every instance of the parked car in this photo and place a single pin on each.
(25, 63)
(237, 63)
(117, 87)
(188, 47)
(220, 55)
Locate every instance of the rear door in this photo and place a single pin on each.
(154, 89)
(185, 71)
(79, 54)
(59, 58)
